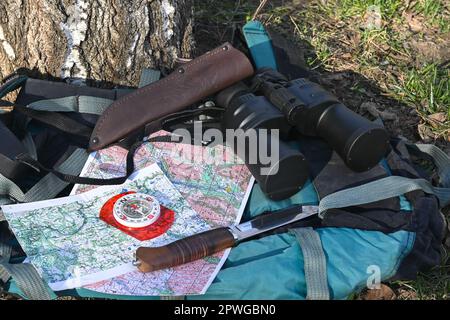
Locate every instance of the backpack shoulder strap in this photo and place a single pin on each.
(394, 186)
(259, 44)
(315, 263)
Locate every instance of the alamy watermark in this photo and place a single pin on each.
(257, 147)
(374, 279)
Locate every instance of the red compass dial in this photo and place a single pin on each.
(138, 215)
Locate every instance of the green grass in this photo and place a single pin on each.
(351, 8)
(432, 11)
(224, 12)
(428, 89)
(391, 9)
(433, 285)
(425, 88)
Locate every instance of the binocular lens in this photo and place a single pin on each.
(284, 178)
(280, 170)
(359, 142)
(316, 112)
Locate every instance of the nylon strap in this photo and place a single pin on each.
(149, 76)
(24, 274)
(385, 188)
(49, 186)
(44, 111)
(56, 120)
(80, 104)
(441, 160)
(394, 186)
(29, 145)
(315, 263)
(27, 279)
(5, 254)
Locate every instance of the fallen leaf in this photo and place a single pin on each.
(415, 22)
(384, 293)
(440, 117)
(407, 294)
(425, 132)
(346, 55)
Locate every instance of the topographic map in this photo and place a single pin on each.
(70, 246)
(212, 180)
(216, 190)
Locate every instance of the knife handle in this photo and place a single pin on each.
(184, 250)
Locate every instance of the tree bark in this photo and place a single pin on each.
(108, 41)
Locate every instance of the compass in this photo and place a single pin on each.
(136, 210)
(137, 214)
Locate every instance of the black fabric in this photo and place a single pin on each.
(399, 162)
(330, 174)
(58, 121)
(429, 225)
(426, 219)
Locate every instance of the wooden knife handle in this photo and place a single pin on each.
(184, 250)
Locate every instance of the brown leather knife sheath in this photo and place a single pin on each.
(195, 80)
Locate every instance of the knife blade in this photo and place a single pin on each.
(212, 241)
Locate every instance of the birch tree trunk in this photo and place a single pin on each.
(103, 40)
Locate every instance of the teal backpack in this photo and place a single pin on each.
(380, 225)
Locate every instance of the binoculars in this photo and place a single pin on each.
(273, 102)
